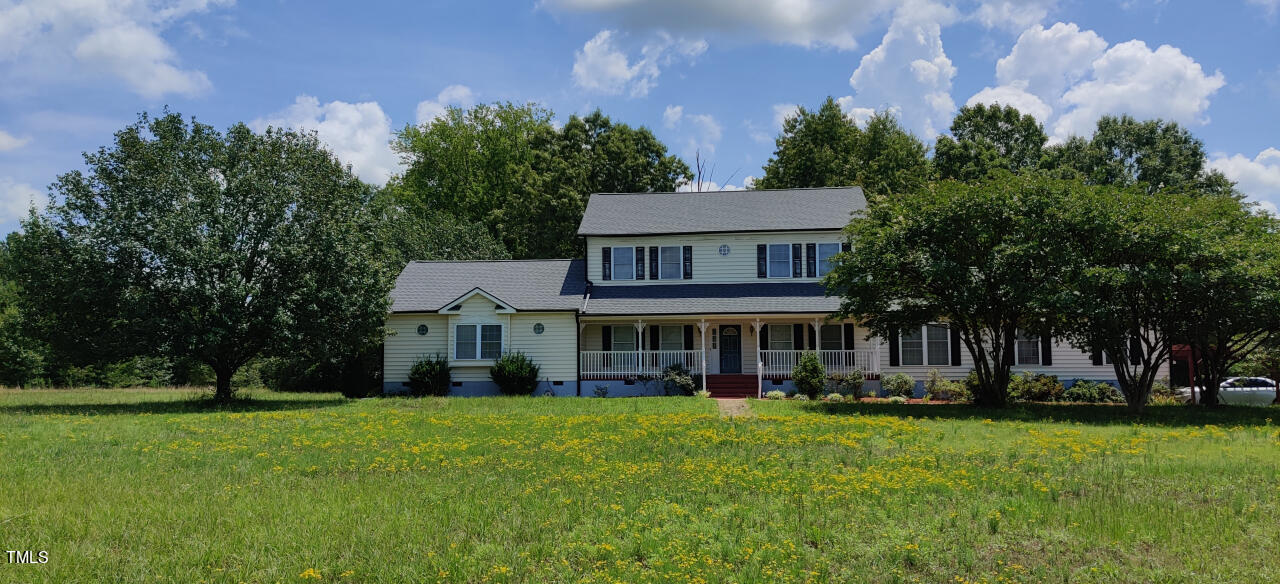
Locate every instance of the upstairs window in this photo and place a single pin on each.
(669, 263)
(624, 263)
(780, 260)
(826, 251)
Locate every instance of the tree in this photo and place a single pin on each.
(508, 168)
(825, 148)
(978, 256)
(181, 241)
(1154, 154)
(985, 139)
(22, 359)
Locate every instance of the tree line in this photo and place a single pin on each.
(197, 254)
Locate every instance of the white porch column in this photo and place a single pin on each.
(759, 365)
(640, 347)
(702, 336)
(817, 334)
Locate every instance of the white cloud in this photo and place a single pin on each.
(1269, 7)
(1132, 79)
(806, 23)
(859, 115)
(1013, 16)
(1257, 178)
(359, 134)
(453, 95)
(672, 115)
(10, 142)
(1049, 60)
(782, 111)
(601, 66)
(1016, 95)
(709, 186)
(67, 39)
(701, 132)
(16, 198)
(910, 71)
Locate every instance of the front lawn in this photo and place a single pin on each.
(152, 486)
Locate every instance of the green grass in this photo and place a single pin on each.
(132, 486)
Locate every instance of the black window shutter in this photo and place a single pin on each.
(762, 262)
(688, 262)
(955, 345)
(811, 260)
(764, 336)
(796, 260)
(797, 337)
(813, 338)
(894, 360)
(655, 338)
(1096, 356)
(653, 263)
(639, 263)
(606, 337)
(1135, 350)
(606, 263)
(1046, 350)
(844, 247)
(848, 336)
(688, 337)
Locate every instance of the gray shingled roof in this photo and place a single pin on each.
(721, 211)
(764, 297)
(526, 285)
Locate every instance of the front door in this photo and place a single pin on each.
(730, 348)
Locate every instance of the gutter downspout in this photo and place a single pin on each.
(577, 321)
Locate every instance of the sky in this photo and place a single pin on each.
(712, 78)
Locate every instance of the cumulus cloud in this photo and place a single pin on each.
(16, 198)
(69, 38)
(453, 95)
(810, 23)
(701, 132)
(1258, 178)
(1048, 60)
(601, 65)
(359, 134)
(1013, 16)
(708, 186)
(10, 142)
(909, 71)
(782, 111)
(1015, 94)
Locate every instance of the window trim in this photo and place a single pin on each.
(768, 260)
(479, 342)
(679, 263)
(1017, 350)
(828, 263)
(613, 262)
(924, 347)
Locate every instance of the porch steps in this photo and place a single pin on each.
(731, 385)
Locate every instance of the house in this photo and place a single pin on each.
(726, 283)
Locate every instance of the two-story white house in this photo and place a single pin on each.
(725, 283)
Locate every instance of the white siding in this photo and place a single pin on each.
(404, 345)
(555, 350)
(708, 265)
(1068, 363)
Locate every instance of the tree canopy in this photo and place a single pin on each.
(509, 168)
(826, 148)
(186, 242)
(986, 139)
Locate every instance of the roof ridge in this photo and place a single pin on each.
(531, 260)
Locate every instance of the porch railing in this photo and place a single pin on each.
(614, 364)
(780, 363)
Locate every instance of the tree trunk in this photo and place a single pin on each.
(222, 392)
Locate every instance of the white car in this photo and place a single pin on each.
(1244, 391)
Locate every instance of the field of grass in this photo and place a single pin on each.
(134, 486)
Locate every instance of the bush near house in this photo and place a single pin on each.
(938, 387)
(1035, 387)
(809, 375)
(899, 385)
(849, 384)
(1085, 391)
(776, 394)
(430, 376)
(676, 380)
(515, 374)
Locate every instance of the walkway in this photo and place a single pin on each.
(734, 407)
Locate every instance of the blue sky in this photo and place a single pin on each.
(710, 76)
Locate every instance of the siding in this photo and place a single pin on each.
(709, 267)
(1068, 363)
(555, 350)
(404, 345)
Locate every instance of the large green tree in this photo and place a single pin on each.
(989, 138)
(825, 148)
(978, 256)
(182, 241)
(22, 358)
(508, 167)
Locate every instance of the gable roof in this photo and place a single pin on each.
(526, 285)
(721, 211)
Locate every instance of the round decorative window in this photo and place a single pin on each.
(422, 329)
(724, 250)
(538, 328)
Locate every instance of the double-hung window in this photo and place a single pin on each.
(780, 338)
(930, 344)
(624, 263)
(670, 338)
(780, 260)
(624, 337)
(477, 341)
(826, 251)
(669, 263)
(1028, 348)
(831, 337)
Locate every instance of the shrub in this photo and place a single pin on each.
(775, 394)
(897, 399)
(602, 390)
(899, 384)
(970, 383)
(938, 387)
(800, 397)
(430, 376)
(703, 393)
(1035, 387)
(1161, 389)
(809, 375)
(849, 384)
(1085, 391)
(835, 397)
(676, 380)
(515, 374)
